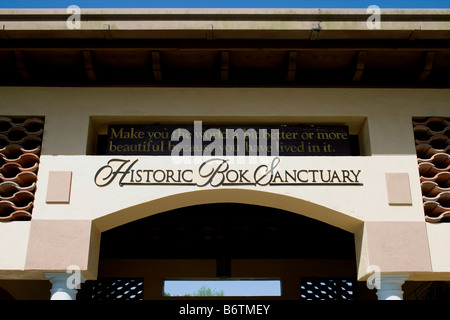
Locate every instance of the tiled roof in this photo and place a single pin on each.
(20, 146)
(433, 152)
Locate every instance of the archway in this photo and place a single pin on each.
(226, 239)
(229, 195)
(236, 230)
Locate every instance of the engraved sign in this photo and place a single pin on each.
(198, 139)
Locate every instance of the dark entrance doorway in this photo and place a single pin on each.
(227, 241)
(234, 230)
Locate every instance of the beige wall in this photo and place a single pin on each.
(69, 110)
(73, 116)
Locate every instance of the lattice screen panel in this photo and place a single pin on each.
(20, 147)
(114, 289)
(432, 136)
(327, 289)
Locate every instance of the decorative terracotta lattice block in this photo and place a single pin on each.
(432, 136)
(20, 146)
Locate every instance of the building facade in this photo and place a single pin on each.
(93, 187)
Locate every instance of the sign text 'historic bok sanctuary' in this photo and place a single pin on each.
(216, 172)
(198, 139)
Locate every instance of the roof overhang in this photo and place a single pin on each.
(226, 46)
(330, 24)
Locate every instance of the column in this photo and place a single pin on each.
(390, 286)
(62, 286)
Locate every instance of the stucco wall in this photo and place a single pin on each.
(382, 118)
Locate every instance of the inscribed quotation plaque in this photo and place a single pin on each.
(289, 140)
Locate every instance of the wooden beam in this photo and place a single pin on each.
(224, 65)
(106, 28)
(360, 65)
(3, 34)
(414, 33)
(156, 64)
(428, 65)
(292, 66)
(20, 63)
(88, 65)
(209, 32)
(315, 32)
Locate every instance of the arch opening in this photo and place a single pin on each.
(227, 234)
(238, 231)
(231, 195)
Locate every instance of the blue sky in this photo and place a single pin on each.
(224, 3)
(229, 287)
